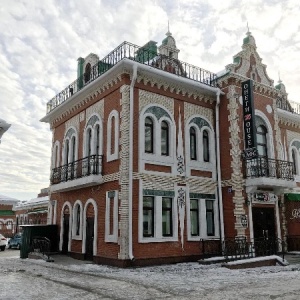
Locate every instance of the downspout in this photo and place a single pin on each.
(130, 183)
(219, 177)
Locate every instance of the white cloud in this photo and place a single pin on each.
(40, 42)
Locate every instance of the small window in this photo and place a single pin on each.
(261, 140)
(167, 227)
(148, 216)
(87, 73)
(193, 144)
(205, 146)
(194, 217)
(210, 223)
(164, 138)
(148, 135)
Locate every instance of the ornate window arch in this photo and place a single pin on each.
(200, 145)
(157, 138)
(70, 146)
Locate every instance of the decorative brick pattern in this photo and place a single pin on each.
(146, 98)
(72, 122)
(97, 108)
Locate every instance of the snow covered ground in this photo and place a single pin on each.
(36, 279)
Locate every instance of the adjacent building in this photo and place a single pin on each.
(151, 158)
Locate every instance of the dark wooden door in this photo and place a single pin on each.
(263, 223)
(265, 242)
(89, 242)
(66, 227)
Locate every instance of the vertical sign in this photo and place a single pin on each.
(249, 120)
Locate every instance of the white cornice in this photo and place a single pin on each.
(176, 84)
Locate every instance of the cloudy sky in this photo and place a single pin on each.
(40, 42)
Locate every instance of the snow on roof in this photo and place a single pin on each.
(40, 201)
(8, 200)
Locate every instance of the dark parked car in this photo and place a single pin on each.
(16, 241)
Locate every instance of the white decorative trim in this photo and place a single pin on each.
(77, 204)
(200, 164)
(156, 157)
(115, 155)
(93, 202)
(158, 238)
(56, 155)
(270, 143)
(68, 204)
(111, 238)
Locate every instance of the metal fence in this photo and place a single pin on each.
(240, 248)
(266, 167)
(143, 55)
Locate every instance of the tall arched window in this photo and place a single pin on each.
(164, 138)
(78, 216)
(294, 161)
(89, 143)
(67, 152)
(193, 144)
(87, 73)
(97, 144)
(148, 135)
(261, 139)
(112, 143)
(73, 149)
(205, 146)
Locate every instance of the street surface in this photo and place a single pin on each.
(71, 279)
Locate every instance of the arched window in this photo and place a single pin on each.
(78, 216)
(112, 143)
(205, 146)
(67, 151)
(97, 139)
(148, 135)
(87, 73)
(164, 138)
(261, 139)
(89, 143)
(294, 161)
(193, 144)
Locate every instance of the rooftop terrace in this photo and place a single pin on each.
(144, 55)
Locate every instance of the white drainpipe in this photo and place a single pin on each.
(219, 177)
(130, 185)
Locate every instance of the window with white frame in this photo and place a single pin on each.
(295, 161)
(158, 218)
(210, 219)
(200, 151)
(77, 220)
(157, 137)
(201, 216)
(56, 155)
(70, 152)
(111, 217)
(149, 135)
(113, 136)
(92, 145)
(194, 217)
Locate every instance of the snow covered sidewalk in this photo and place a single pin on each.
(72, 280)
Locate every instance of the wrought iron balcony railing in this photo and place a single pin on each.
(91, 165)
(266, 167)
(143, 55)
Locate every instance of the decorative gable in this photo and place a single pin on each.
(249, 64)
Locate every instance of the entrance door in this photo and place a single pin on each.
(65, 233)
(89, 242)
(264, 230)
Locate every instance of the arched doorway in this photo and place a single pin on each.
(66, 229)
(89, 233)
